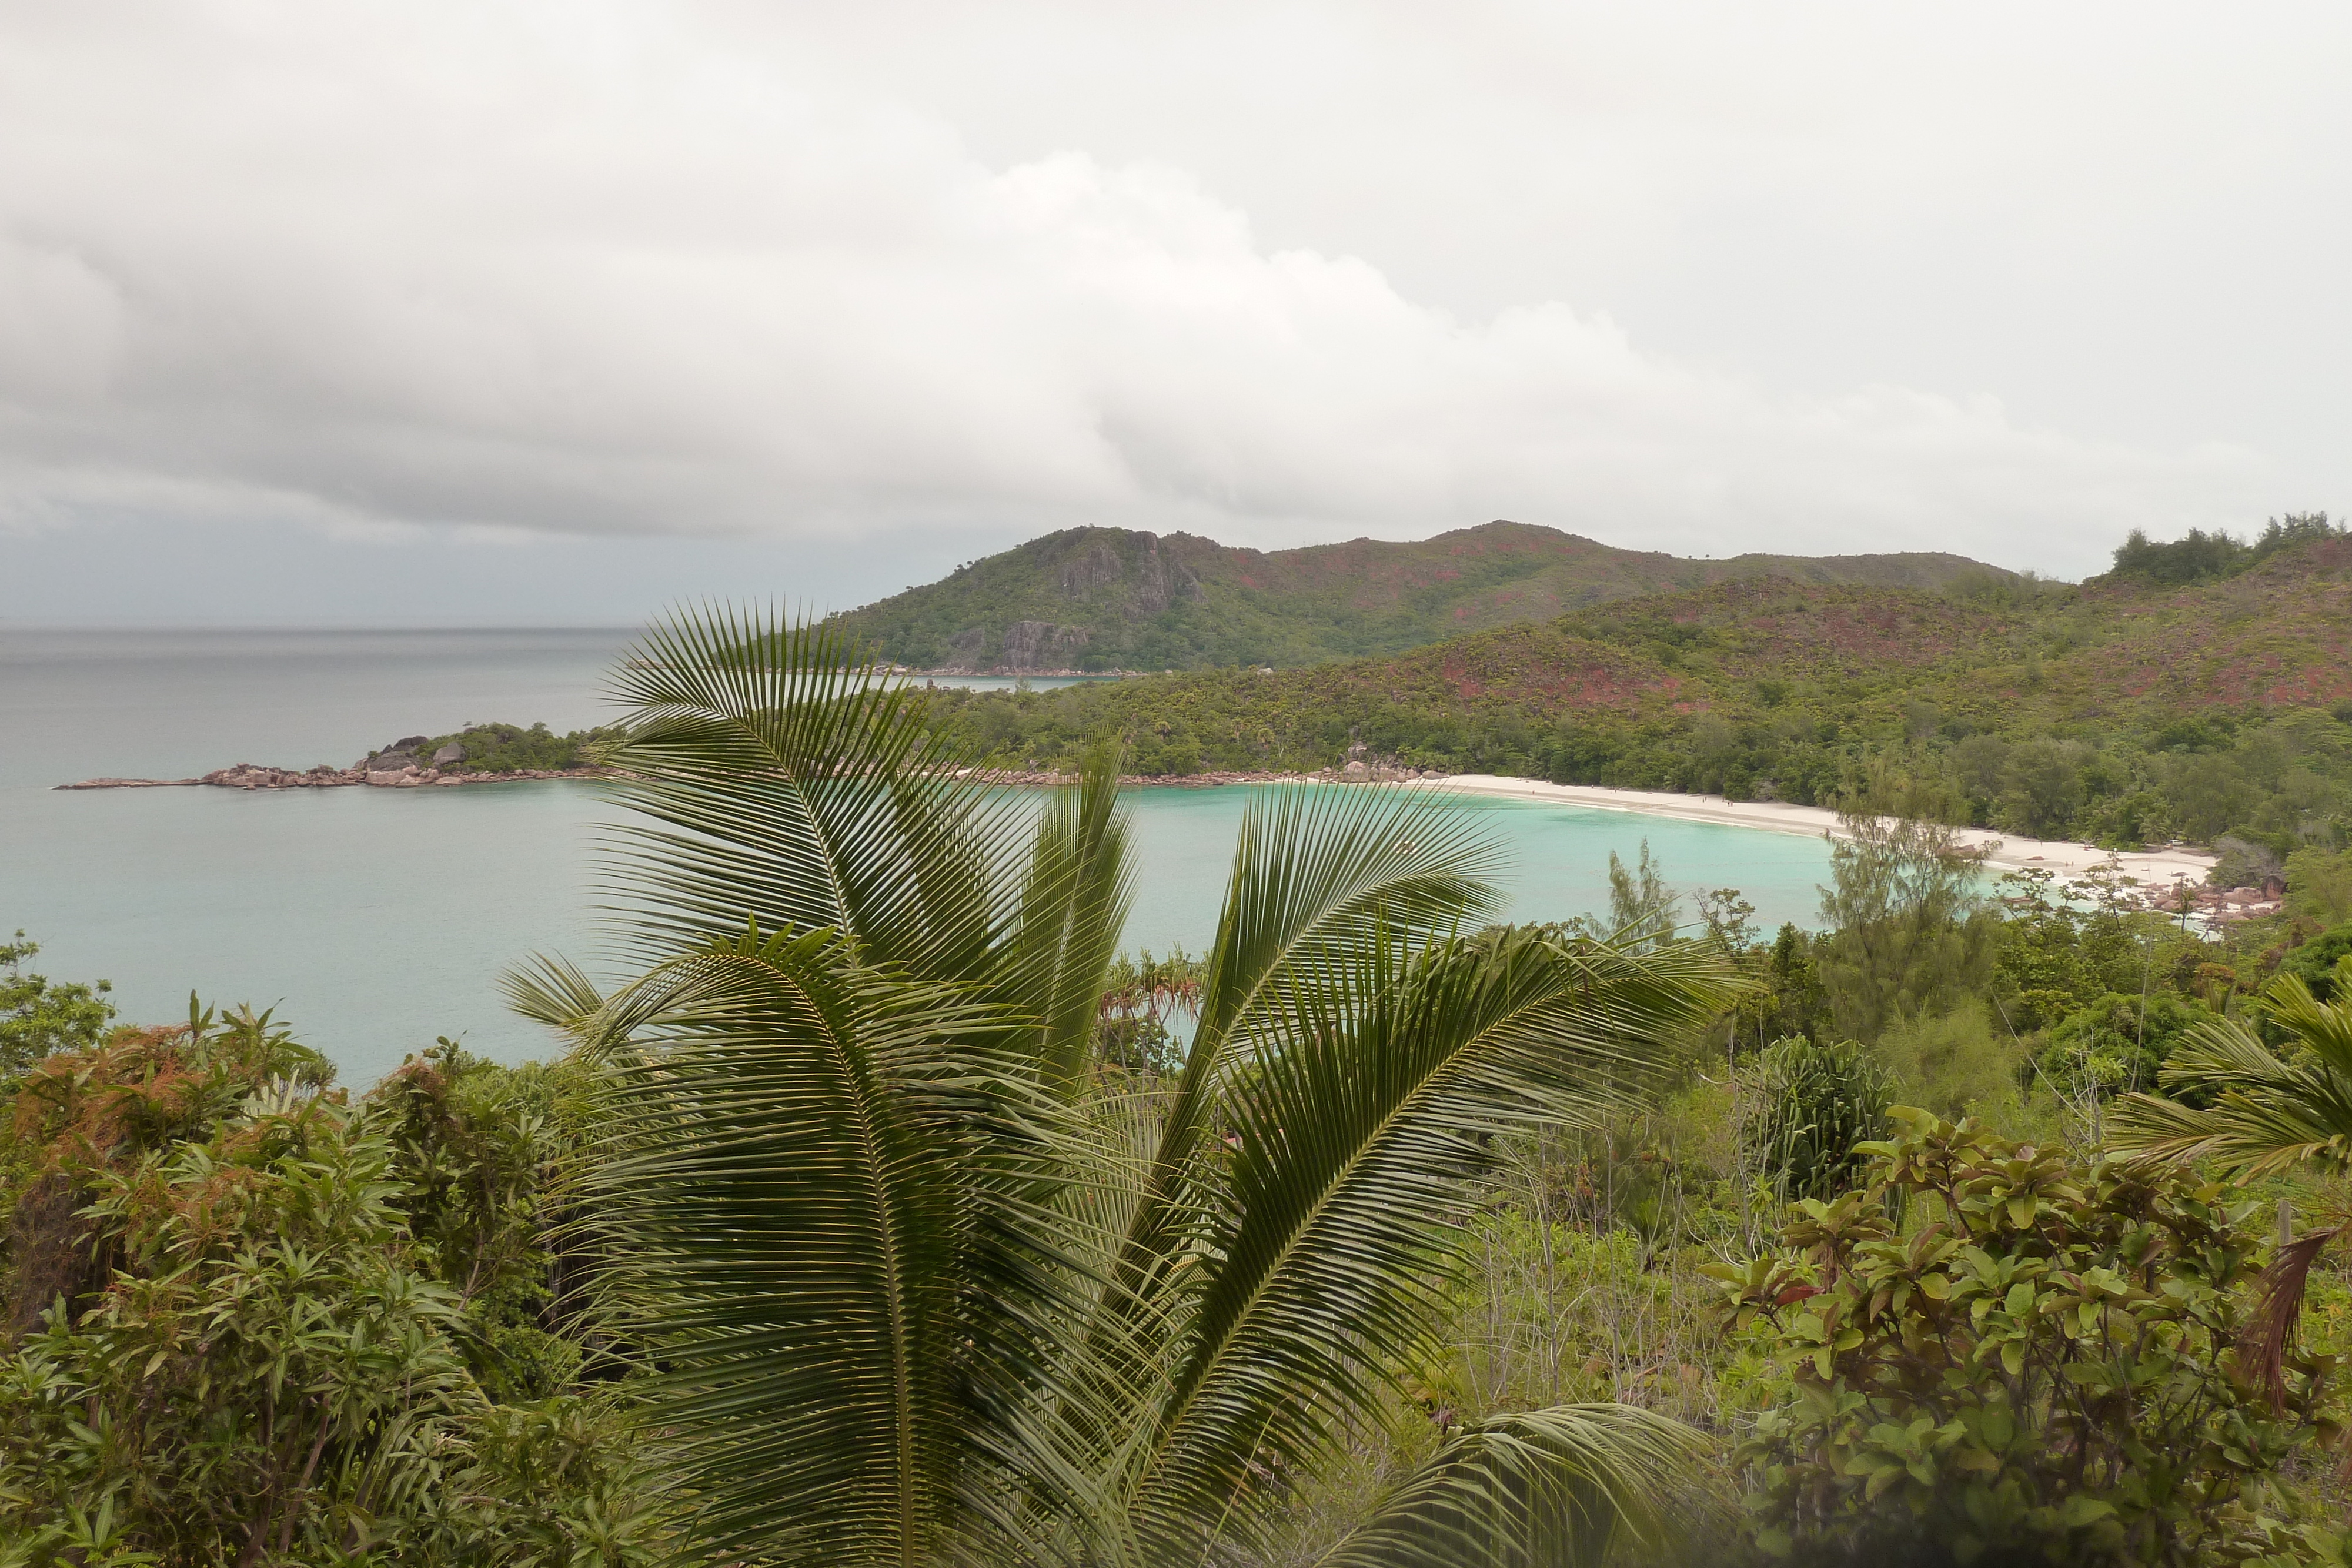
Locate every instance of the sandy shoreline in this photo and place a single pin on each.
(2157, 869)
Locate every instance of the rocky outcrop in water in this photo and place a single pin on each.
(384, 770)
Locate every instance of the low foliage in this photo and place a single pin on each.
(2118, 1043)
(226, 1343)
(39, 1015)
(1817, 1103)
(2040, 1365)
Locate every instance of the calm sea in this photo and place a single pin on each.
(375, 920)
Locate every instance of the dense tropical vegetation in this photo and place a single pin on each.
(889, 1212)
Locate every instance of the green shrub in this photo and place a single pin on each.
(2315, 963)
(2118, 1043)
(2039, 1366)
(1818, 1102)
(1954, 1062)
(2319, 885)
(512, 749)
(39, 1015)
(223, 1342)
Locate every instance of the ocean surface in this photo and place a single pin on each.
(376, 920)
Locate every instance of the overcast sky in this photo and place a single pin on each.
(441, 313)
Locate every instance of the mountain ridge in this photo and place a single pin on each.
(1105, 599)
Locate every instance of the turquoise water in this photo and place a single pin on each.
(375, 920)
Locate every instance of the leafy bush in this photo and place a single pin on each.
(38, 1016)
(476, 1144)
(2044, 1370)
(2319, 885)
(2315, 963)
(1818, 1102)
(2118, 1043)
(224, 1344)
(1953, 1062)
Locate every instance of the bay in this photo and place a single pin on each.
(376, 920)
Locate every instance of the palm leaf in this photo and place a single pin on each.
(1320, 875)
(817, 1206)
(1356, 1143)
(1073, 906)
(796, 786)
(859, 1197)
(1547, 1489)
(2267, 1115)
(553, 991)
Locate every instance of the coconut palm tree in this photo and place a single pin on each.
(918, 1283)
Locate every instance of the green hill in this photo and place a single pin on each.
(1107, 599)
(2122, 710)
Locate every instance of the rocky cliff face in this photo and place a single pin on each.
(1040, 645)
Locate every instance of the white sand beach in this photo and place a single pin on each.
(2156, 869)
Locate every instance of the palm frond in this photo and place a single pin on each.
(2267, 1115)
(794, 784)
(1320, 875)
(1557, 1488)
(1073, 906)
(2324, 1029)
(553, 991)
(1371, 1112)
(911, 1293)
(818, 1205)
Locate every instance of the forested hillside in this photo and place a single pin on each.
(1107, 599)
(2123, 709)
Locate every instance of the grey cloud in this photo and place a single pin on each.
(611, 270)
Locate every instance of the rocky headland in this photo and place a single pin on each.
(401, 765)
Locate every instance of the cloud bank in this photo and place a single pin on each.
(598, 269)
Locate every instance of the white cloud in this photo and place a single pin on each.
(610, 269)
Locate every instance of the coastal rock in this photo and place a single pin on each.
(394, 756)
(1359, 769)
(453, 752)
(384, 770)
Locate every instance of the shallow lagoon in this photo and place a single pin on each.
(375, 920)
